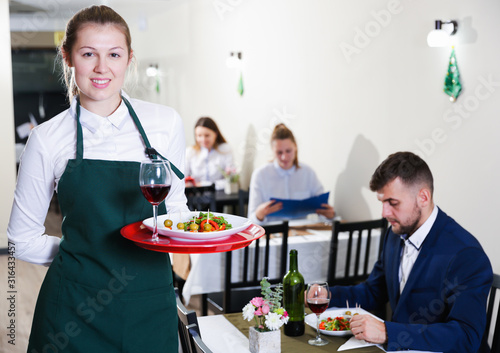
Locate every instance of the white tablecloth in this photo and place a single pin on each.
(207, 270)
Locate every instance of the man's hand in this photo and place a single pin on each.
(366, 327)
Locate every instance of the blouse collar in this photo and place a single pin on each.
(93, 121)
(283, 172)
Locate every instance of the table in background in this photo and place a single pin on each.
(231, 200)
(207, 270)
(229, 333)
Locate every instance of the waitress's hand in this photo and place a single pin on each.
(326, 211)
(267, 208)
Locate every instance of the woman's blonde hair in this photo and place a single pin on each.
(281, 132)
(99, 15)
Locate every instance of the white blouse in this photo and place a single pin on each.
(114, 138)
(207, 166)
(271, 180)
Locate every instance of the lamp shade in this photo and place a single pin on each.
(438, 38)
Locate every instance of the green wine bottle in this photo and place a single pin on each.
(293, 298)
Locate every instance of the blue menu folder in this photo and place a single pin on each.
(300, 208)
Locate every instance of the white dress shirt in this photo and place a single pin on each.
(411, 248)
(114, 138)
(207, 165)
(271, 180)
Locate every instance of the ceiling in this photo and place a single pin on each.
(50, 14)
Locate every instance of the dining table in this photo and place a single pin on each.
(205, 272)
(230, 332)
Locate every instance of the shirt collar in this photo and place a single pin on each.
(421, 233)
(93, 121)
(283, 172)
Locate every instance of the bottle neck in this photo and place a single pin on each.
(293, 262)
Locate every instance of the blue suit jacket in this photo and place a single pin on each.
(443, 305)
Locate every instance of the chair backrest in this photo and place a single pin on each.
(358, 231)
(253, 272)
(197, 344)
(493, 327)
(243, 196)
(185, 319)
(201, 198)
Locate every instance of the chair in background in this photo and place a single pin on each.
(243, 196)
(238, 294)
(355, 230)
(189, 332)
(201, 198)
(495, 328)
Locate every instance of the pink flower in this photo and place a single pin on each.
(257, 301)
(265, 309)
(258, 312)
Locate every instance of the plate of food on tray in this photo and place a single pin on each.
(334, 322)
(198, 226)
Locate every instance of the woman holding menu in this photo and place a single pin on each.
(102, 293)
(283, 178)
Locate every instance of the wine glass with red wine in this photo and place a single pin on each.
(155, 179)
(318, 298)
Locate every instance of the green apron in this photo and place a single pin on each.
(102, 293)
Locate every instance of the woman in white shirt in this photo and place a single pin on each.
(101, 293)
(283, 178)
(210, 155)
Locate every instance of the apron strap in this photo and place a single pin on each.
(79, 133)
(150, 152)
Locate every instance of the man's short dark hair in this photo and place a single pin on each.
(410, 168)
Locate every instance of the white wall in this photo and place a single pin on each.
(8, 155)
(348, 111)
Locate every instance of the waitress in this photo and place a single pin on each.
(101, 293)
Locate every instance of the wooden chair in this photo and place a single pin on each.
(243, 196)
(197, 344)
(493, 327)
(185, 318)
(238, 294)
(201, 198)
(189, 331)
(355, 230)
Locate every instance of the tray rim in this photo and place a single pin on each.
(191, 247)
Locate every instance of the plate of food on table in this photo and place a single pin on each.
(334, 322)
(198, 226)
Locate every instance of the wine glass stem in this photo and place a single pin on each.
(317, 328)
(155, 222)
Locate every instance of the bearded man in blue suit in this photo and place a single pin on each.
(434, 274)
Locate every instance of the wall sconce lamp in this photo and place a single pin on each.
(152, 70)
(234, 60)
(441, 36)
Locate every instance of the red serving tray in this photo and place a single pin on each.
(141, 236)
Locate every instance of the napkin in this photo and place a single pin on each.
(353, 343)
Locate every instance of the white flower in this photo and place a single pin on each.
(248, 312)
(285, 319)
(273, 321)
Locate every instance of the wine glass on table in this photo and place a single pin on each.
(155, 180)
(318, 298)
